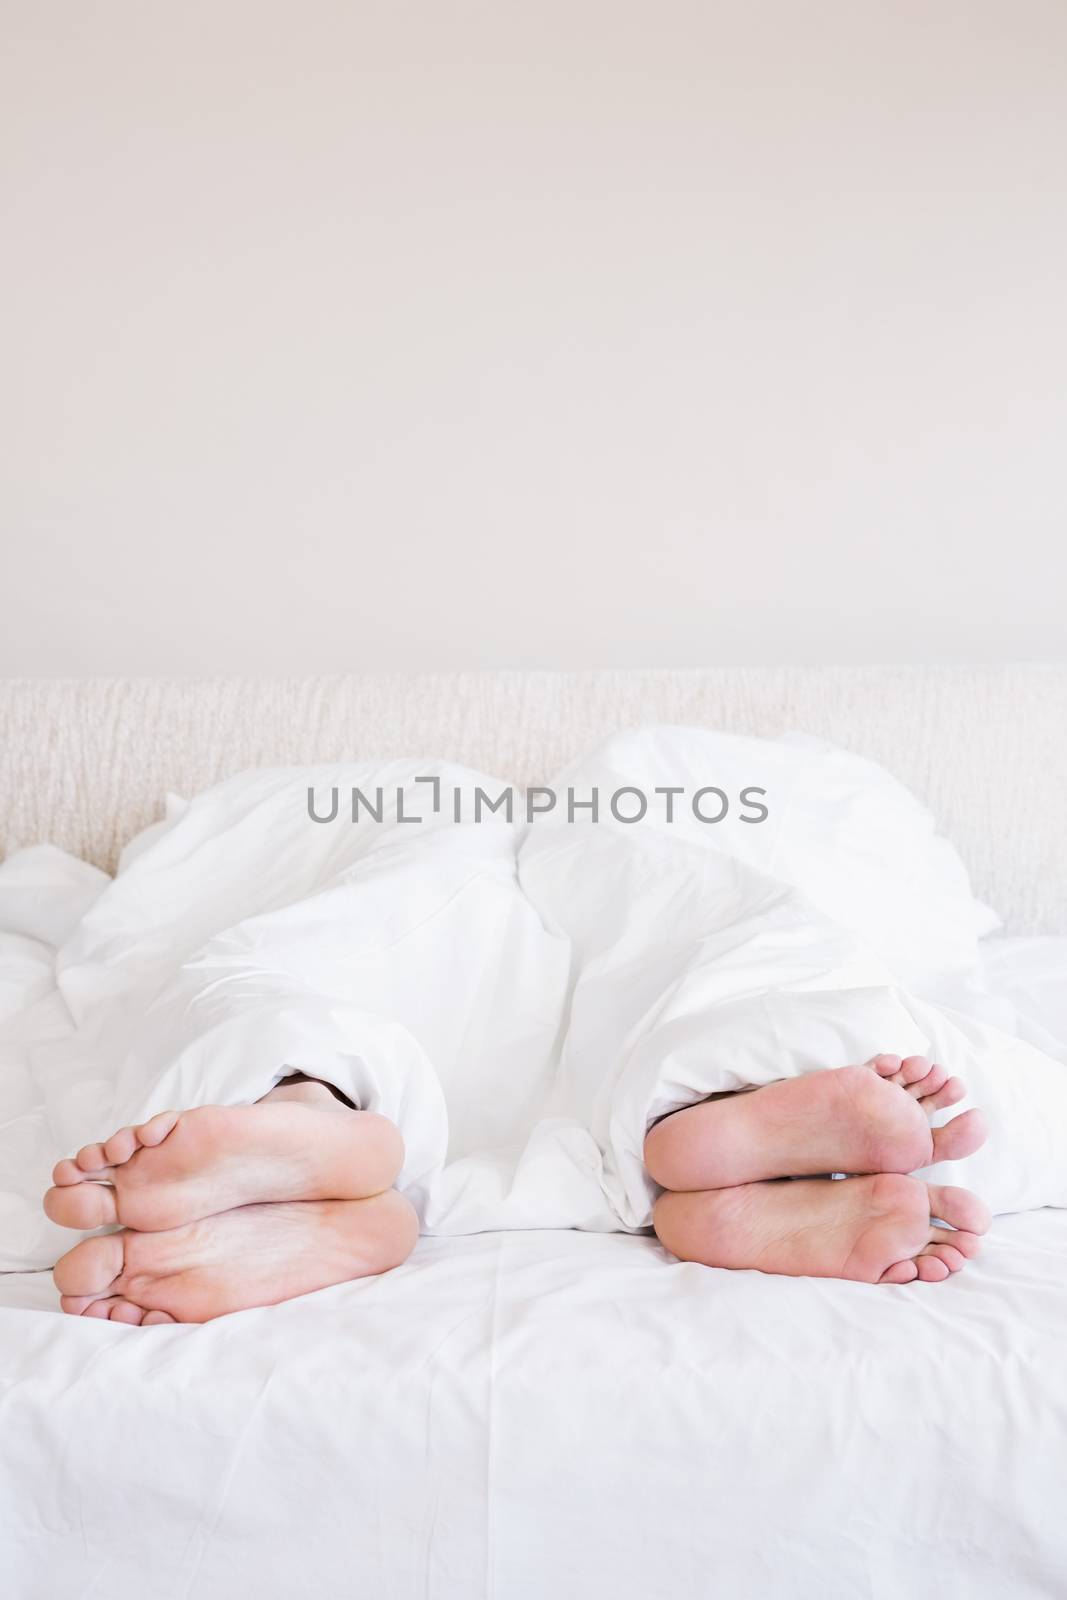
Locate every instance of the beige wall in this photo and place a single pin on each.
(577, 332)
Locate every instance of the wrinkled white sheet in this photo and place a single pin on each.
(513, 1416)
(521, 1000)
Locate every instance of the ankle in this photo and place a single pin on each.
(303, 1090)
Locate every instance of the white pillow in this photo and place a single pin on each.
(840, 828)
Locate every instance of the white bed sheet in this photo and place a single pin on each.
(524, 1415)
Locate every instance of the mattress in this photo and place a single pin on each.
(522, 1414)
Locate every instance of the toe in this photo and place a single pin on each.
(91, 1158)
(886, 1066)
(951, 1091)
(154, 1319)
(930, 1270)
(127, 1141)
(81, 1205)
(67, 1171)
(156, 1129)
(99, 1309)
(913, 1069)
(959, 1208)
(935, 1079)
(961, 1137)
(963, 1243)
(125, 1311)
(103, 1308)
(121, 1146)
(75, 1304)
(900, 1272)
(91, 1267)
(954, 1259)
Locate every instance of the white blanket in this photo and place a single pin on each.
(522, 998)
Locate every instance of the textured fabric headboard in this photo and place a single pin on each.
(84, 764)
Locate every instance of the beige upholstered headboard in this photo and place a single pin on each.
(85, 764)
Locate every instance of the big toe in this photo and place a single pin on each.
(81, 1205)
(960, 1137)
(91, 1267)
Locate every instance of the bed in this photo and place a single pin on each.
(531, 1413)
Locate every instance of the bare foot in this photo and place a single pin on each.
(256, 1255)
(847, 1119)
(180, 1166)
(874, 1229)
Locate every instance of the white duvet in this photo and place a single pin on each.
(522, 998)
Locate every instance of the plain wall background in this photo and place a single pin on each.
(562, 333)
